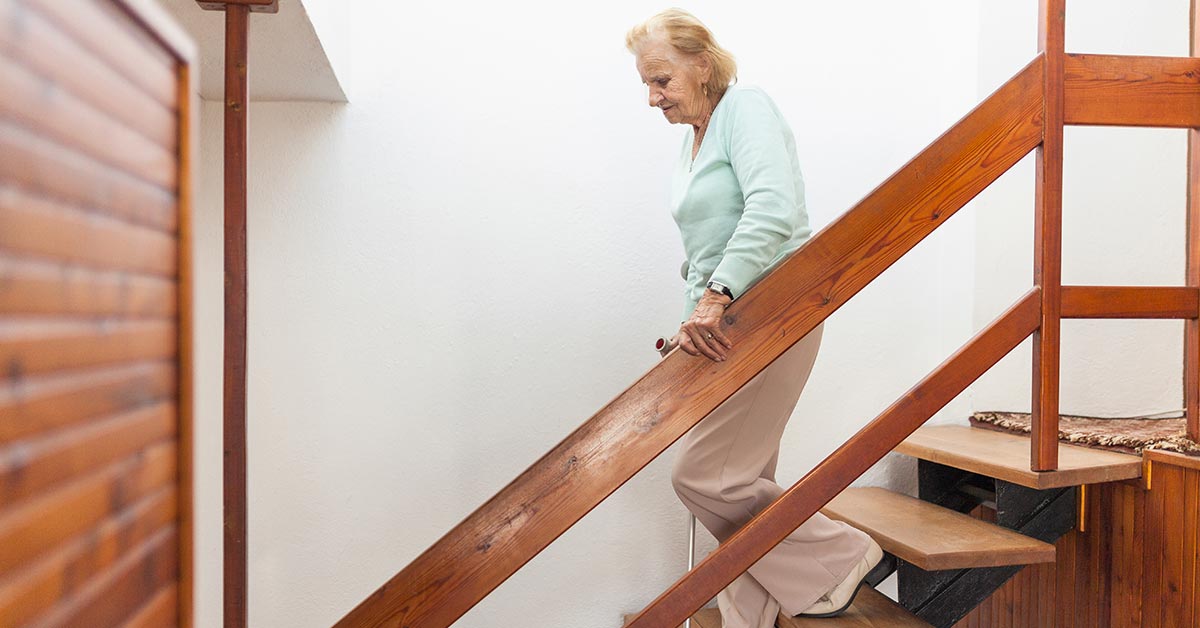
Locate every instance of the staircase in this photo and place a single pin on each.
(947, 561)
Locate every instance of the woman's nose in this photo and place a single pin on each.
(655, 98)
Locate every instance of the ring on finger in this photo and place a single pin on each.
(709, 335)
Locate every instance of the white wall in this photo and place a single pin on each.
(1123, 220)
(460, 266)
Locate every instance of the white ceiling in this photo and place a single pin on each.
(287, 61)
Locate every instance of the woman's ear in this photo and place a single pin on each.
(704, 68)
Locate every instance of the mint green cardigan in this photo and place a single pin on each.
(740, 205)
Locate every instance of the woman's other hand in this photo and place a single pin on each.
(701, 334)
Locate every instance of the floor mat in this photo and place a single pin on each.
(1126, 435)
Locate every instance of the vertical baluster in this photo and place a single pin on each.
(1047, 241)
(1191, 336)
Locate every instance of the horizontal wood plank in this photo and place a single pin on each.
(35, 226)
(35, 405)
(38, 103)
(29, 39)
(115, 39)
(640, 423)
(45, 169)
(31, 467)
(36, 527)
(118, 593)
(1006, 456)
(932, 537)
(1130, 302)
(1115, 90)
(31, 348)
(52, 288)
(31, 591)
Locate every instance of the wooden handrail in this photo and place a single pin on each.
(839, 469)
(593, 461)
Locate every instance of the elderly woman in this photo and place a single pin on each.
(738, 199)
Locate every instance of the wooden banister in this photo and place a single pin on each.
(523, 518)
(839, 469)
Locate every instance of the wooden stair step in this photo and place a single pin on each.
(1006, 456)
(871, 609)
(932, 537)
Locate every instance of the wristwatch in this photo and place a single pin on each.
(720, 288)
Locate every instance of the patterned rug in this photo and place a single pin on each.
(1126, 435)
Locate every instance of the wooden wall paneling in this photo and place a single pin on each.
(1065, 581)
(1190, 502)
(159, 612)
(1116, 90)
(59, 574)
(55, 288)
(46, 229)
(110, 36)
(1152, 550)
(34, 42)
(1047, 241)
(36, 466)
(36, 405)
(1170, 483)
(118, 593)
(37, 103)
(29, 348)
(43, 168)
(39, 526)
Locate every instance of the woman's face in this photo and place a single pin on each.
(676, 81)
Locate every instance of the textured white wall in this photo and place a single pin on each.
(460, 266)
(1123, 220)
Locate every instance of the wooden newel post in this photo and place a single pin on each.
(234, 424)
(1191, 335)
(1047, 240)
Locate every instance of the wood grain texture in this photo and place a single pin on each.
(40, 525)
(162, 611)
(237, 100)
(930, 536)
(1006, 456)
(42, 168)
(1114, 90)
(30, 40)
(60, 574)
(109, 34)
(54, 288)
(35, 405)
(1047, 241)
(499, 537)
(30, 348)
(33, 467)
(849, 461)
(36, 103)
(1130, 302)
(50, 231)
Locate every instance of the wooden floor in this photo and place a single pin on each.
(1134, 565)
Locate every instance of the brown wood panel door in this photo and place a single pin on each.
(96, 125)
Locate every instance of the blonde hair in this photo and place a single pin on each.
(690, 36)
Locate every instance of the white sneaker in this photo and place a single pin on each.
(838, 600)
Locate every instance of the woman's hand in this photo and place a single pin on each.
(701, 334)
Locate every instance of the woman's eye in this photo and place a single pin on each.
(662, 82)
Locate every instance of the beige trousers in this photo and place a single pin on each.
(725, 474)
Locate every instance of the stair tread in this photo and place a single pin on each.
(932, 537)
(871, 609)
(1006, 456)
